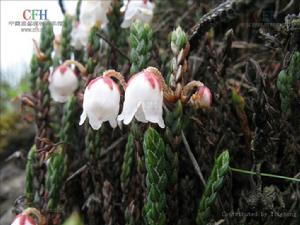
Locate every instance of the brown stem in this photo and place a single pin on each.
(117, 75)
(188, 88)
(40, 55)
(169, 94)
(81, 68)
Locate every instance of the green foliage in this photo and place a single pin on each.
(8, 128)
(114, 24)
(34, 66)
(46, 45)
(178, 40)
(284, 85)
(68, 121)
(178, 62)
(156, 179)
(174, 121)
(127, 162)
(74, 219)
(286, 82)
(214, 184)
(78, 9)
(140, 41)
(93, 47)
(294, 67)
(29, 175)
(129, 218)
(174, 124)
(237, 100)
(92, 143)
(66, 48)
(172, 165)
(93, 41)
(54, 177)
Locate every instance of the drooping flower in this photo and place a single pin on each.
(202, 98)
(23, 219)
(143, 98)
(101, 102)
(79, 36)
(94, 12)
(62, 83)
(138, 10)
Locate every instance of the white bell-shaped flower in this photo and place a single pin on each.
(94, 12)
(138, 10)
(23, 219)
(62, 83)
(79, 36)
(143, 99)
(101, 102)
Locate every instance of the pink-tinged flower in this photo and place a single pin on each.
(94, 12)
(101, 102)
(143, 99)
(79, 36)
(202, 98)
(62, 83)
(23, 219)
(138, 10)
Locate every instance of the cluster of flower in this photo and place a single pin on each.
(143, 92)
(143, 96)
(94, 12)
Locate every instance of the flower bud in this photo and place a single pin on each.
(23, 219)
(62, 83)
(202, 98)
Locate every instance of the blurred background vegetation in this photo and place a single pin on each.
(15, 131)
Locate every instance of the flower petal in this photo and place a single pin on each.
(95, 122)
(113, 122)
(82, 117)
(140, 115)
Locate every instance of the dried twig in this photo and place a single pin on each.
(113, 46)
(192, 157)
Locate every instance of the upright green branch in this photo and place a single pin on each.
(140, 40)
(127, 163)
(180, 49)
(156, 179)
(43, 95)
(117, 35)
(214, 184)
(174, 124)
(66, 48)
(29, 176)
(287, 81)
(67, 134)
(93, 48)
(54, 178)
(34, 66)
